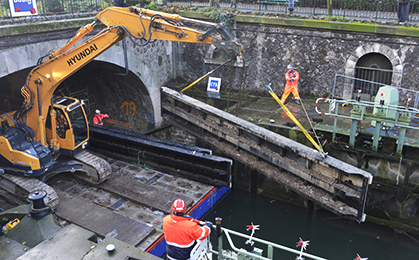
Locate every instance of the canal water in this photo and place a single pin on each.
(330, 236)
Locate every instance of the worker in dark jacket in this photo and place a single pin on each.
(98, 118)
(403, 10)
(180, 232)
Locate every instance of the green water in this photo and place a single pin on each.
(330, 237)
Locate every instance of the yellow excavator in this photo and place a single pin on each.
(49, 133)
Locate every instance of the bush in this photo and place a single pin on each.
(153, 6)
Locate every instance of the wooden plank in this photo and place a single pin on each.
(119, 123)
(100, 220)
(135, 190)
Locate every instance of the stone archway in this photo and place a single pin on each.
(152, 64)
(388, 52)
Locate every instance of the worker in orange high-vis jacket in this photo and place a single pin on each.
(180, 232)
(98, 118)
(291, 76)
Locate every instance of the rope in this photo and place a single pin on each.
(206, 75)
(238, 106)
(398, 173)
(139, 162)
(311, 125)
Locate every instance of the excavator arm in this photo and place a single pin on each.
(135, 23)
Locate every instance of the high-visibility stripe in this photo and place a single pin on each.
(172, 258)
(203, 235)
(178, 245)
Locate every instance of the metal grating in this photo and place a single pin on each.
(76, 87)
(372, 67)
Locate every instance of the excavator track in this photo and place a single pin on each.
(96, 169)
(21, 186)
(93, 169)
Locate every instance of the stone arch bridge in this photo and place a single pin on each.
(103, 80)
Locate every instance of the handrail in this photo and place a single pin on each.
(363, 113)
(227, 232)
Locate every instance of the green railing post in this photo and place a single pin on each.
(335, 122)
(352, 135)
(376, 136)
(402, 134)
(219, 234)
(220, 248)
(270, 252)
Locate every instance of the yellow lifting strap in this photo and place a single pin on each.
(291, 116)
(206, 75)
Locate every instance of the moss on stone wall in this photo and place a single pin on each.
(36, 27)
(39, 27)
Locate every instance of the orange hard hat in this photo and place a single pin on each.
(179, 206)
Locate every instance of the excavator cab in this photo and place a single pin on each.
(71, 125)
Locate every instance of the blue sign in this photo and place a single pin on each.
(214, 84)
(23, 8)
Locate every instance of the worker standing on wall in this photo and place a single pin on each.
(291, 76)
(403, 10)
(291, 6)
(98, 118)
(180, 232)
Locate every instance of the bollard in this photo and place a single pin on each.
(218, 231)
(38, 209)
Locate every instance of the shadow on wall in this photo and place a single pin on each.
(103, 86)
(10, 98)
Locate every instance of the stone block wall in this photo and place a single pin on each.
(317, 54)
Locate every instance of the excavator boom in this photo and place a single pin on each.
(132, 22)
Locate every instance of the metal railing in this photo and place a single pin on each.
(380, 114)
(343, 82)
(255, 255)
(368, 9)
(54, 7)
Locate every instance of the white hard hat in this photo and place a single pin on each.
(97, 111)
(289, 66)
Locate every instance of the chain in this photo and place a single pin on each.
(230, 80)
(244, 76)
